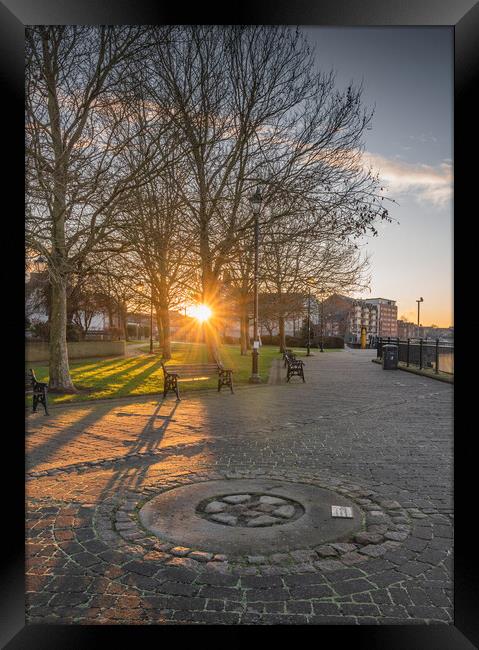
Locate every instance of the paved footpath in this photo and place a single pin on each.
(380, 438)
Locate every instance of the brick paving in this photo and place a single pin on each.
(382, 438)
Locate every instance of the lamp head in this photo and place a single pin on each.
(255, 201)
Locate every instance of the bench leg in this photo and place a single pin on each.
(44, 402)
(170, 384)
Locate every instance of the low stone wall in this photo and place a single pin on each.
(77, 350)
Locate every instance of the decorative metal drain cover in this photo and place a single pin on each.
(251, 510)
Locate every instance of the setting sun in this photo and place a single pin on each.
(201, 312)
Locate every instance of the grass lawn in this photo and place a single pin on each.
(142, 374)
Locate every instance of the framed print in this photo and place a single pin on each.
(240, 371)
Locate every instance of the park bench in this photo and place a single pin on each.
(295, 367)
(38, 388)
(173, 373)
(288, 354)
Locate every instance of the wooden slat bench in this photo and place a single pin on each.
(172, 374)
(38, 388)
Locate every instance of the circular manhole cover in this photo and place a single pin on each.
(255, 510)
(298, 516)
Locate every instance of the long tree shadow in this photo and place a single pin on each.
(131, 477)
(130, 366)
(150, 369)
(59, 439)
(106, 367)
(151, 437)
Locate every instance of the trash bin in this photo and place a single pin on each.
(390, 357)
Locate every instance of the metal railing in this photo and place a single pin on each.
(424, 353)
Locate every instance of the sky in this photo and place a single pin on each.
(407, 76)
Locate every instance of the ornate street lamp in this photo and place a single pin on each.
(308, 345)
(255, 201)
(322, 323)
(310, 282)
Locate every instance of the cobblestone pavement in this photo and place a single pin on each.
(383, 439)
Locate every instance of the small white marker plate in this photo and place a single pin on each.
(342, 511)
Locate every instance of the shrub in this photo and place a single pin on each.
(115, 333)
(333, 342)
(74, 333)
(267, 339)
(41, 331)
(230, 340)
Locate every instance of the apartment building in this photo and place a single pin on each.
(387, 315)
(362, 314)
(345, 316)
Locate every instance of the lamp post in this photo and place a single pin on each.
(255, 201)
(418, 308)
(322, 323)
(308, 346)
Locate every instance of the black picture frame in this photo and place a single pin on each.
(463, 17)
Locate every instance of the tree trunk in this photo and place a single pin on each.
(110, 317)
(282, 334)
(59, 370)
(243, 337)
(123, 318)
(165, 323)
(244, 325)
(244, 321)
(159, 324)
(211, 297)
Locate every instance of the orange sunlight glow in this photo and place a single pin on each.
(201, 312)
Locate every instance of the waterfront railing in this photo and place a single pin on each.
(432, 354)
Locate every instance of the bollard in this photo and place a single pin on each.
(363, 338)
(437, 356)
(420, 354)
(407, 354)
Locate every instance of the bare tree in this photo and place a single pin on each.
(78, 105)
(252, 109)
(239, 274)
(294, 265)
(154, 224)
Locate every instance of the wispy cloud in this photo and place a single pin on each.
(433, 184)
